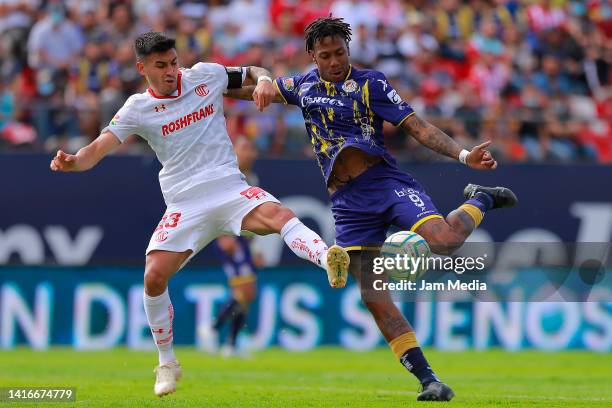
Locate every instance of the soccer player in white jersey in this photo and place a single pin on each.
(180, 115)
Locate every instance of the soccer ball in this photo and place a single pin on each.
(412, 250)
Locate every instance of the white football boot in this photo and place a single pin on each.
(166, 376)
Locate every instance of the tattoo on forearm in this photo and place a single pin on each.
(432, 137)
(244, 93)
(256, 72)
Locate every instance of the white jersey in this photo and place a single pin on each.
(186, 131)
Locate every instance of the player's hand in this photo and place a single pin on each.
(480, 158)
(64, 162)
(263, 94)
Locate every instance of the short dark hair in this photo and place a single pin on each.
(326, 27)
(151, 42)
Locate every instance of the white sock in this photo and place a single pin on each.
(304, 242)
(160, 314)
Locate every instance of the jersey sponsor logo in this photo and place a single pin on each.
(307, 100)
(160, 108)
(202, 90)
(349, 86)
(187, 120)
(288, 84)
(413, 195)
(115, 120)
(253, 192)
(394, 97)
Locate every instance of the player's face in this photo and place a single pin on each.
(161, 70)
(331, 55)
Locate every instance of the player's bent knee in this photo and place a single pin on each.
(278, 216)
(155, 281)
(443, 245)
(283, 216)
(440, 237)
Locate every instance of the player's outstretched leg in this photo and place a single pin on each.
(269, 218)
(160, 266)
(395, 328)
(445, 236)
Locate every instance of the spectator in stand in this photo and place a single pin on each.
(55, 41)
(533, 74)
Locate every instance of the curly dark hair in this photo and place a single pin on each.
(151, 42)
(326, 27)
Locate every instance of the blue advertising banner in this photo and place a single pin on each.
(107, 215)
(95, 308)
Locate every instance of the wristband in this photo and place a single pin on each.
(463, 156)
(264, 78)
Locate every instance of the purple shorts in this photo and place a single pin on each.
(382, 196)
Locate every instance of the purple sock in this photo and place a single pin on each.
(482, 201)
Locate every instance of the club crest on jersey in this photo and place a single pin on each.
(288, 84)
(349, 86)
(202, 90)
(160, 108)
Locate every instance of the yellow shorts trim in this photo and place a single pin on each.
(280, 93)
(361, 248)
(421, 221)
(406, 117)
(403, 343)
(238, 280)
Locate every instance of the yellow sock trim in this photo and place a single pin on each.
(403, 343)
(473, 212)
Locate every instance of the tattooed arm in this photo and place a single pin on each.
(430, 136)
(253, 73)
(245, 93)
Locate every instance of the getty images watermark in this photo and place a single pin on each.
(493, 272)
(405, 271)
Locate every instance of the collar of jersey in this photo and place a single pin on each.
(348, 74)
(178, 89)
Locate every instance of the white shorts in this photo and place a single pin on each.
(198, 216)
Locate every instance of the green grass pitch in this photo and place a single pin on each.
(326, 377)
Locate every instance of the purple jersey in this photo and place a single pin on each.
(347, 113)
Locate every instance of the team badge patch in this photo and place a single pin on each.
(394, 97)
(161, 236)
(349, 86)
(202, 90)
(288, 84)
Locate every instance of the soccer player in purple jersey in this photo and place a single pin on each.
(344, 109)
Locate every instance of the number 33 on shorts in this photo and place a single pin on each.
(168, 221)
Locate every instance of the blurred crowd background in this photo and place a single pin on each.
(533, 76)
